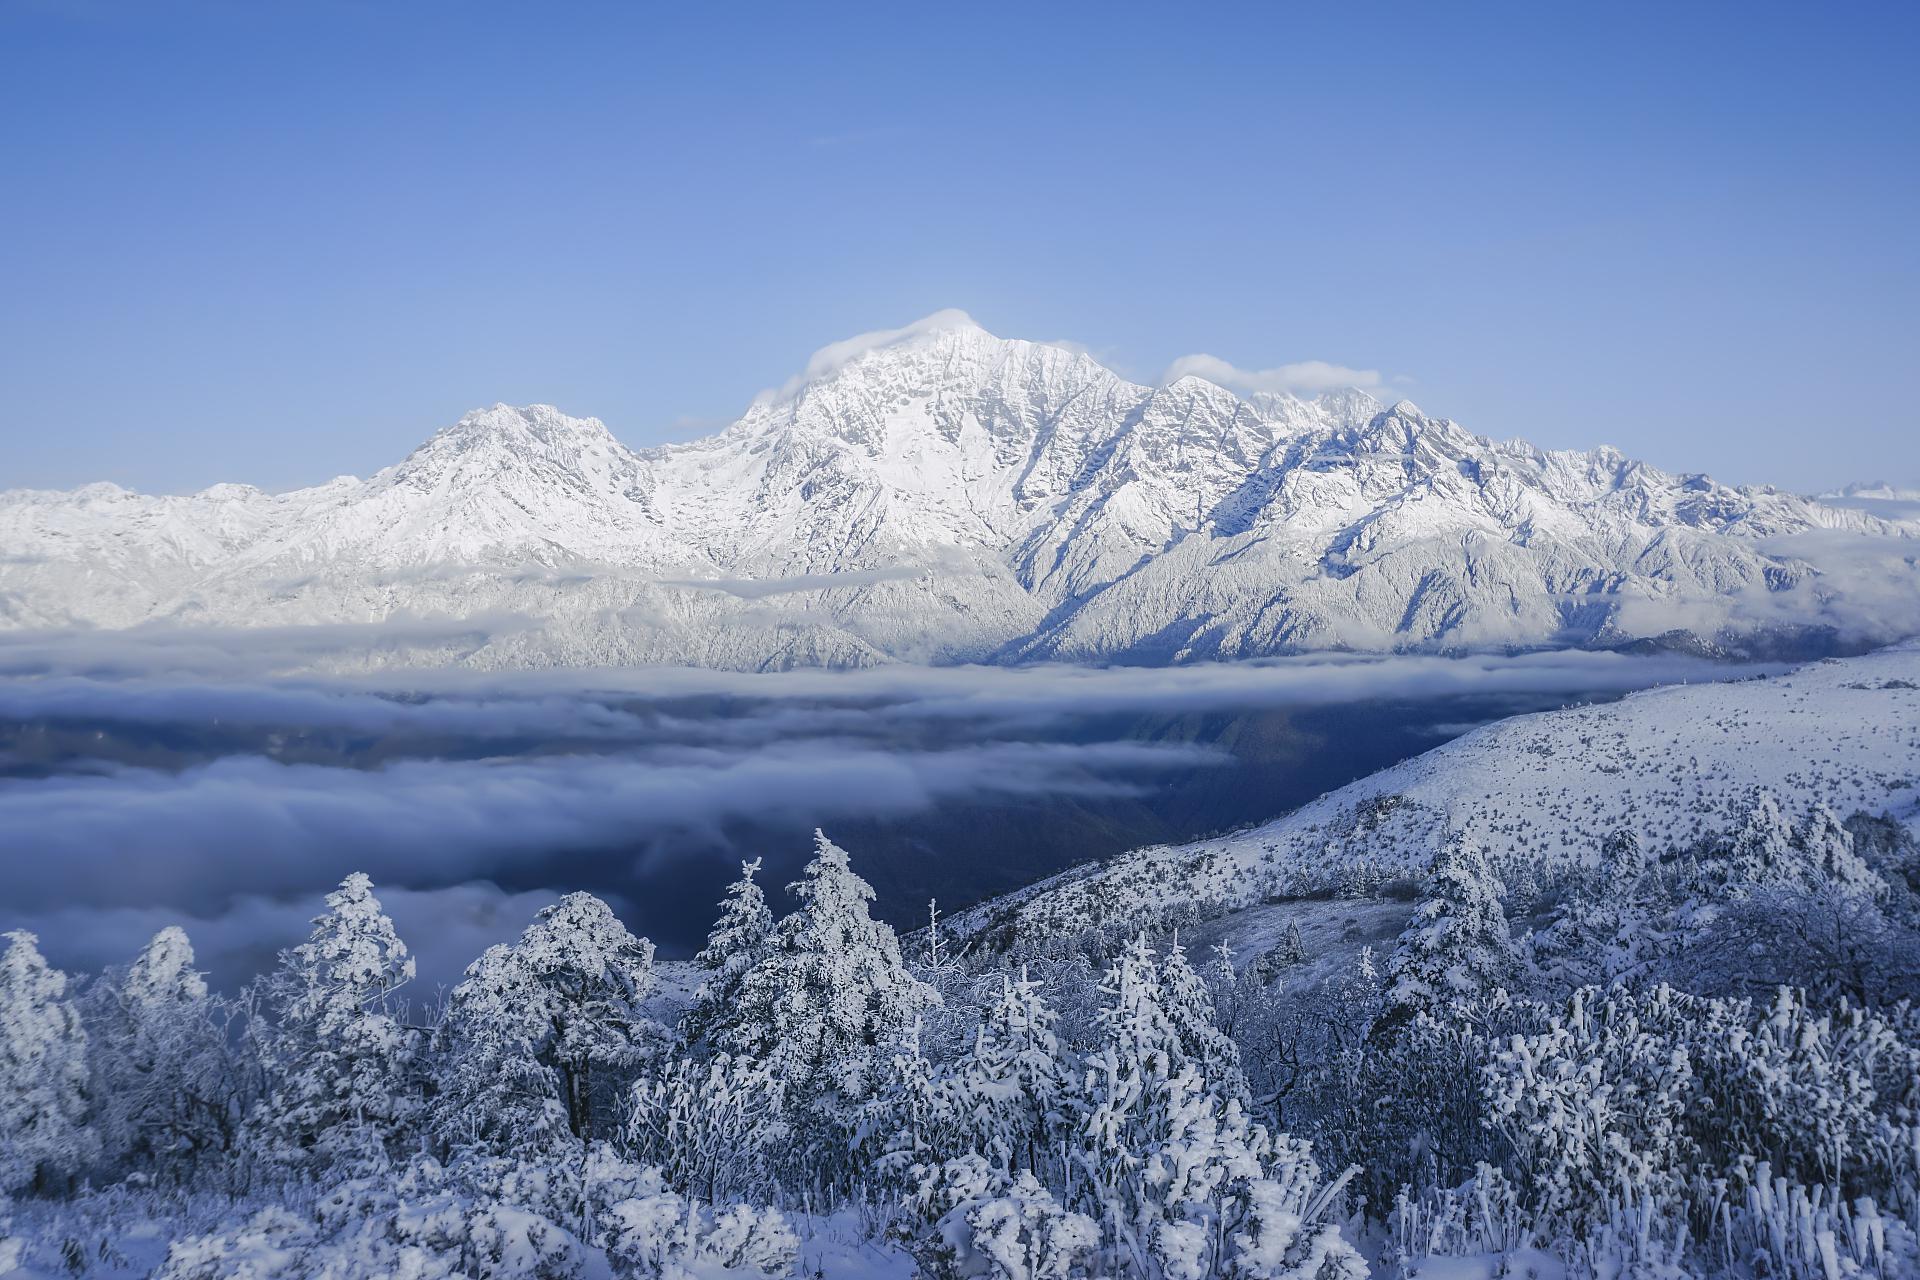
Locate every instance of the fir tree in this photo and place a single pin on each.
(493, 1095)
(1457, 945)
(338, 1061)
(830, 991)
(1010, 1088)
(739, 940)
(1190, 1010)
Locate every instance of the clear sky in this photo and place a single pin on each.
(276, 242)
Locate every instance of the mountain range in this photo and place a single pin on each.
(940, 494)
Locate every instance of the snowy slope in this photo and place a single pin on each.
(1539, 792)
(942, 494)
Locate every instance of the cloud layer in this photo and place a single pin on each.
(137, 789)
(1305, 378)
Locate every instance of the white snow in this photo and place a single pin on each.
(938, 493)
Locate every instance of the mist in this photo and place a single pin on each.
(150, 778)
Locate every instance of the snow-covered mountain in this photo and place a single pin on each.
(938, 493)
(1878, 498)
(1543, 795)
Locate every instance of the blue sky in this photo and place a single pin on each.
(278, 242)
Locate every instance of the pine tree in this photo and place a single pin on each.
(830, 992)
(44, 1136)
(161, 1070)
(338, 1061)
(739, 941)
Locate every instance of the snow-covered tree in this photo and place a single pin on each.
(1189, 1006)
(830, 992)
(338, 1061)
(580, 981)
(44, 1136)
(1457, 945)
(163, 1075)
(1288, 952)
(1127, 1083)
(1009, 1089)
(911, 1117)
(739, 941)
(493, 1095)
(949, 1023)
(1180, 1181)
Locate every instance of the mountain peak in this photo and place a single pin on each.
(504, 437)
(835, 356)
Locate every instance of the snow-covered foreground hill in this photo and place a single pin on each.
(938, 493)
(1541, 794)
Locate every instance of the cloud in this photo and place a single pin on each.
(136, 678)
(835, 356)
(240, 824)
(1864, 588)
(1013, 696)
(1306, 378)
(229, 652)
(136, 790)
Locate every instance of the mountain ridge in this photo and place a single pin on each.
(947, 495)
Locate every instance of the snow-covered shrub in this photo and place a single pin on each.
(1821, 1095)
(657, 1232)
(362, 1228)
(1656, 1092)
(1596, 1102)
(1279, 1227)
(13, 1249)
(716, 1128)
(1786, 1231)
(989, 1225)
(1481, 1215)
(1641, 1238)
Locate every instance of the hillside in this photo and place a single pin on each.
(1542, 794)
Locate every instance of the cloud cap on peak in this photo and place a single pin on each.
(1306, 377)
(833, 357)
